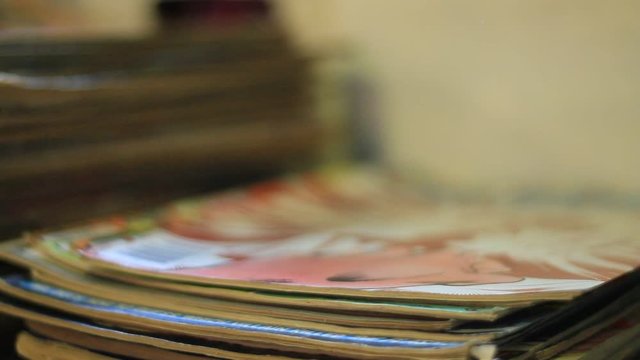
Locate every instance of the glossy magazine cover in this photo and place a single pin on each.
(360, 230)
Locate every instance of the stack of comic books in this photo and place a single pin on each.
(335, 264)
(132, 123)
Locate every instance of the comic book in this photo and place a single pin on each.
(355, 264)
(234, 332)
(363, 235)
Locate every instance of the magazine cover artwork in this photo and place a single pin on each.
(364, 231)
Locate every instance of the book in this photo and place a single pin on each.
(244, 333)
(41, 320)
(51, 273)
(336, 264)
(366, 237)
(127, 124)
(109, 346)
(36, 348)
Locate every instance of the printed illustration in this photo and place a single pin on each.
(367, 232)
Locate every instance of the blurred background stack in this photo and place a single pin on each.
(106, 124)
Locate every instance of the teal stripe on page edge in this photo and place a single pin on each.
(172, 317)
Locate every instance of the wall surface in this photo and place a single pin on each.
(496, 95)
(77, 18)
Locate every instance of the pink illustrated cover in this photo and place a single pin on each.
(362, 230)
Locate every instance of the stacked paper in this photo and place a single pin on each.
(331, 265)
(129, 123)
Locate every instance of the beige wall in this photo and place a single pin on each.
(119, 17)
(81, 17)
(496, 94)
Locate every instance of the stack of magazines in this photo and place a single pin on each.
(125, 123)
(334, 264)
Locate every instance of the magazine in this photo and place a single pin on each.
(369, 236)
